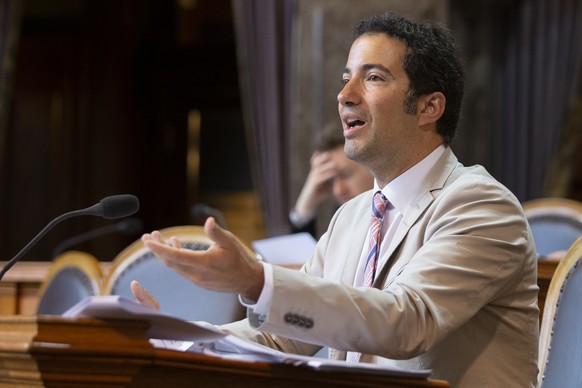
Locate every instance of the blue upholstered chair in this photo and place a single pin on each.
(177, 295)
(72, 276)
(555, 223)
(560, 351)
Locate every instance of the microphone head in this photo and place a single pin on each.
(118, 206)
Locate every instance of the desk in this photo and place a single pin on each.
(55, 351)
(20, 285)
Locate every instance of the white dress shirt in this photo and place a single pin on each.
(399, 192)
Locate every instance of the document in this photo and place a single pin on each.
(287, 249)
(163, 326)
(169, 332)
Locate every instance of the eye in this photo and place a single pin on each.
(374, 77)
(345, 81)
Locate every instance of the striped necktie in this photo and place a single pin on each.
(379, 205)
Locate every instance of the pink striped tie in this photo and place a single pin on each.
(379, 205)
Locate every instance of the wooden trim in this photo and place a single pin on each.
(561, 206)
(55, 351)
(186, 233)
(559, 277)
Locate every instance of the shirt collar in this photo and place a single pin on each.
(401, 190)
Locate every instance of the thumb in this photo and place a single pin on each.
(221, 237)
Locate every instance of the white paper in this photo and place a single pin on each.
(292, 249)
(169, 332)
(163, 326)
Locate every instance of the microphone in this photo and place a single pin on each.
(204, 211)
(116, 206)
(129, 226)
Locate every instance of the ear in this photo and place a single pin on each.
(431, 107)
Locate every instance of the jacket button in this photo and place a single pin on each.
(288, 318)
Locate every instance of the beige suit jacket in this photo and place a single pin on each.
(458, 294)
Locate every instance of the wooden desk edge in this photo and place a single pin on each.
(61, 349)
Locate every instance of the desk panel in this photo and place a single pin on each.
(55, 351)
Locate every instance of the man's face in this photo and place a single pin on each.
(351, 178)
(378, 132)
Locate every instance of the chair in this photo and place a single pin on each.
(560, 351)
(176, 294)
(72, 276)
(555, 223)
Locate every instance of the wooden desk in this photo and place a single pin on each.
(55, 351)
(20, 285)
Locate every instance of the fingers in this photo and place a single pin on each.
(143, 296)
(228, 265)
(157, 237)
(220, 236)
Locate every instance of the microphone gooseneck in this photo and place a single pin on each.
(128, 226)
(201, 210)
(116, 206)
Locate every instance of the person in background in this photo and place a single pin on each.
(332, 175)
(434, 268)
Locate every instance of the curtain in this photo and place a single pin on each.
(10, 14)
(535, 65)
(263, 34)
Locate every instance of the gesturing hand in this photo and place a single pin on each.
(228, 265)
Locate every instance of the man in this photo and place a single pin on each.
(332, 175)
(454, 286)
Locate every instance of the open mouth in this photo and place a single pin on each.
(355, 123)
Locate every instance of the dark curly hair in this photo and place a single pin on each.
(432, 62)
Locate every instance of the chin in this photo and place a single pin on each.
(350, 150)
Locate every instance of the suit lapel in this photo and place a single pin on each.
(434, 181)
(354, 238)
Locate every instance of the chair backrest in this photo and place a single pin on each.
(555, 223)
(560, 350)
(176, 294)
(72, 276)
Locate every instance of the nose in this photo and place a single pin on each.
(349, 94)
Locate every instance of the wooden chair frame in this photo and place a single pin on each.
(571, 260)
(562, 206)
(186, 233)
(85, 262)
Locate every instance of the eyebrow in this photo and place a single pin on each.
(369, 66)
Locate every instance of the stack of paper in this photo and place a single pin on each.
(174, 333)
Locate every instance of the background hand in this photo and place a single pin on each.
(143, 296)
(318, 186)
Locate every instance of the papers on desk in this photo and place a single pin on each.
(286, 249)
(173, 333)
(163, 326)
